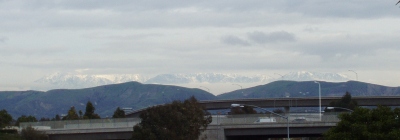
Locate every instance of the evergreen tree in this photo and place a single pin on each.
(344, 102)
(119, 113)
(80, 114)
(89, 113)
(57, 118)
(71, 115)
(24, 118)
(175, 121)
(5, 118)
(381, 123)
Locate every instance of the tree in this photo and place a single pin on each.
(44, 119)
(8, 134)
(175, 121)
(89, 113)
(56, 118)
(24, 118)
(5, 118)
(30, 133)
(119, 113)
(381, 123)
(278, 111)
(71, 115)
(80, 114)
(344, 102)
(243, 110)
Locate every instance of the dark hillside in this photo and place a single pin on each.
(279, 89)
(136, 95)
(105, 98)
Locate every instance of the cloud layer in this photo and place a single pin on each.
(155, 37)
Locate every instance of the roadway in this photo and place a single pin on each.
(222, 127)
(292, 102)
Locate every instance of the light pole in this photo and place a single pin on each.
(319, 89)
(239, 86)
(206, 88)
(279, 75)
(330, 108)
(285, 117)
(355, 73)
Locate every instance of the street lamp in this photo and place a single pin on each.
(279, 75)
(239, 86)
(330, 108)
(355, 73)
(319, 87)
(205, 88)
(285, 117)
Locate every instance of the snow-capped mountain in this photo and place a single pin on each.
(207, 78)
(309, 76)
(73, 81)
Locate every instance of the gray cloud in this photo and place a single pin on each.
(27, 51)
(3, 39)
(273, 37)
(196, 36)
(342, 8)
(233, 40)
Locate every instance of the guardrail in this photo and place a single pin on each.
(217, 120)
(82, 124)
(252, 118)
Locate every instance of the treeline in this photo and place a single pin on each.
(7, 120)
(7, 123)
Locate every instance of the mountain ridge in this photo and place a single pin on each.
(138, 95)
(76, 81)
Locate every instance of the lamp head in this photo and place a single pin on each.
(330, 108)
(236, 105)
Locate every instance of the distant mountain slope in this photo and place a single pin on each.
(279, 89)
(207, 78)
(105, 98)
(136, 95)
(76, 81)
(312, 76)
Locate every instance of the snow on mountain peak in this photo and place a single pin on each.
(309, 76)
(68, 80)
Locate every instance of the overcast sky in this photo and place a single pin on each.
(40, 37)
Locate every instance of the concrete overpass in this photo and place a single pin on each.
(292, 102)
(222, 127)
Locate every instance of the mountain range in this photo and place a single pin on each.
(76, 81)
(137, 95)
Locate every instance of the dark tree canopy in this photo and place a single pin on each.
(243, 110)
(57, 118)
(30, 133)
(119, 113)
(344, 102)
(24, 118)
(175, 121)
(89, 113)
(381, 123)
(5, 118)
(71, 115)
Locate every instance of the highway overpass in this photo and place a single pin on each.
(222, 127)
(292, 102)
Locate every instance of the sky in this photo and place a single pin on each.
(40, 37)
